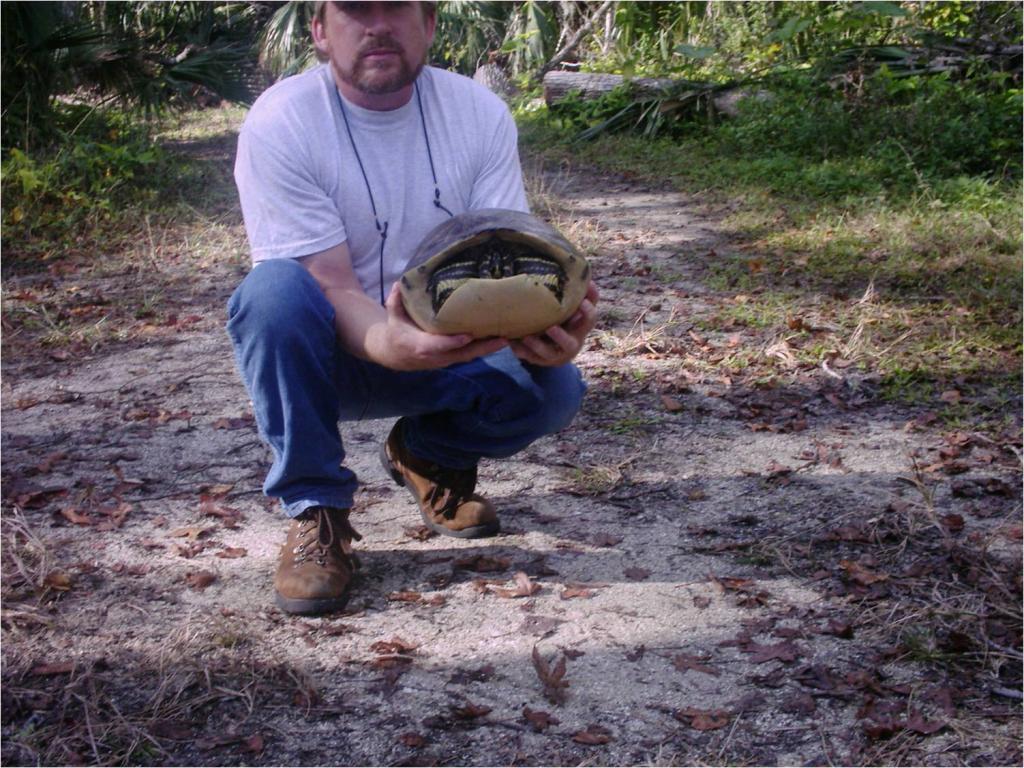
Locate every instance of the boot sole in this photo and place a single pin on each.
(474, 532)
(310, 606)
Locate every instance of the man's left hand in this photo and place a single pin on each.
(559, 344)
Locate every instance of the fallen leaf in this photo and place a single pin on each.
(191, 532)
(594, 735)
(552, 678)
(637, 653)
(538, 720)
(191, 549)
(241, 422)
(233, 552)
(703, 720)
(419, 533)
(404, 596)
(839, 628)
(57, 580)
(860, 574)
(524, 587)
(760, 654)
(254, 743)
(671, 404)
(412, 740)
(56, 668)
(539, 625)
(72, 515)
(200, 579)
(394, 645)
(470, 711)
(917, 723)
(684, 662)
(953, 522)
(46, 465)
(951, 396)
(571, 592)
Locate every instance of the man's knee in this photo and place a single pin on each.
(281, 294)
(563, 394)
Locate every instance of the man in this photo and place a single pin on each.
(341, 171)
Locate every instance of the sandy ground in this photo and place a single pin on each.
(685, 538)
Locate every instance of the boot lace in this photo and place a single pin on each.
(452, 487)
(324, 530)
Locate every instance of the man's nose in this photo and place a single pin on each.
(378, 19)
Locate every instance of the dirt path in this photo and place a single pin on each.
(725, 571)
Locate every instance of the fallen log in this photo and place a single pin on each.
(592, 85)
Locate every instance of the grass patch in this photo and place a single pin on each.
(157, 203)
(908, 267)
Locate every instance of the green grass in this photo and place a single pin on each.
(917, 275)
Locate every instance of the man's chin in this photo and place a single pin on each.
(377, 82)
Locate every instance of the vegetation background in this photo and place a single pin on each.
(882, 145)
(869, 174)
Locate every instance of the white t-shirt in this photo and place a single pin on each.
(302, 191)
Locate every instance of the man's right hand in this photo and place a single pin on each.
(385, 335)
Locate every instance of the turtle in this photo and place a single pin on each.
(494, 272)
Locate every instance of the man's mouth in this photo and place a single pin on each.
(380, 53)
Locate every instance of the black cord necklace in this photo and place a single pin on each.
(382, 229)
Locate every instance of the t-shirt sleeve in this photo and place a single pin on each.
(500, 181)
(287, 212)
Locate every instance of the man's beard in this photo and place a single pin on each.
(371, 81)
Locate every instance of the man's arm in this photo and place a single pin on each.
(384, 335)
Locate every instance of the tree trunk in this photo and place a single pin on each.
(592, 85)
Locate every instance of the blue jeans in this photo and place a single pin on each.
(302, 383)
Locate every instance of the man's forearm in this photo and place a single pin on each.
(360, 324)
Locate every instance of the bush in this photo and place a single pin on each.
(105, 163)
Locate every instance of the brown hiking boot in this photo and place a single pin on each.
(445, 496)
(317, 564)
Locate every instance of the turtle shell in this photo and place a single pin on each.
(536, 278)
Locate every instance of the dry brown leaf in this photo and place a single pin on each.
(524, 587)
(395, 645)
(861, 574)
(594, 735)
(470, 711)
(703, 720)
(685, 661)
(57, 580)
(539, 720)
(233, 552)
(412, 740)
(571, 592)
(404, 596)
(671, 404)
(200, 579)
(551, 678)
(419, 533)
(191, 532)
(56, 668)
(784, 651)
(72, 515)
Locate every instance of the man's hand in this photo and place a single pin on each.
(559, 344)
(403, 346)
(385, 335)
